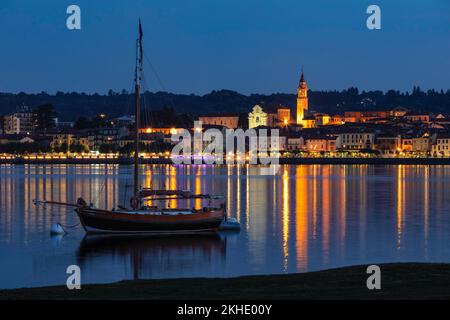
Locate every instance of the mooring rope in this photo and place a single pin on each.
(69, 227)
(54, 214)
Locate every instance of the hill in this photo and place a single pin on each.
(70, 106)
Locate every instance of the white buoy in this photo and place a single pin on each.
(57, 229)
(230, 224)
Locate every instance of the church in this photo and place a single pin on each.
(302, 100)
(281, 117)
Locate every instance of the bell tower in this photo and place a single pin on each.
(302, 99)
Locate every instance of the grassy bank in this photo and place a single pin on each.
(398, 281)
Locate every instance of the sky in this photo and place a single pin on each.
(250, 46)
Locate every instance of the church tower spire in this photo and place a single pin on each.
(302, 99)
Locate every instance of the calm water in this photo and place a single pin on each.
(305, 218)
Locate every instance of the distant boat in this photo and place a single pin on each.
(141, 218)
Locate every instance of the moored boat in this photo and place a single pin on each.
(152, 220)
(140, 217)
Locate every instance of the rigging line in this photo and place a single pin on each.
(159, 79)
(147, 105)
(129, 103)
(125, 192)
(143, 107)
(155, 72)
(129, 99)
(100, 191)
(147, 115)
(69, 226)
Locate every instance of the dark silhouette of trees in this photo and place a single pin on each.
(107, 148)
(82, 123)
(165, 117)
(98, 121)
(24, 148)
(70, 106)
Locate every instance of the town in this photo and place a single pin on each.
(35, 134)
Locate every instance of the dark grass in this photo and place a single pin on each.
(398, 281)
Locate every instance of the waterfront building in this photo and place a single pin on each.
(144, 139)
(124, 121)
(106, 136)
(441, 147)
(356, 115)
(418, 117)
(321, 143)
(309, 122)
(440, 120)
(228, 121)
(282, 144)
(68, 138)
(20, 122)
(336, 120)
(380, 116)
(164, 131)
(407, 144)
(349, 119)
(422, 144)
(367, 116)
(355, 140)
(64, 124)
(322, 119)
(295, 143)
(11, 124)
(257, 117)
(284, 116)
(272, 119)
(398, 112)
(281, 117)
(389, 143)
(266, 142)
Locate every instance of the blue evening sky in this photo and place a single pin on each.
(245, 45)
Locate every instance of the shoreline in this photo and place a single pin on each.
(282, 161)
(398, 281)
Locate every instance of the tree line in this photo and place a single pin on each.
(69, 106)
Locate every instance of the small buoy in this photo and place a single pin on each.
(230, 224)
(57, 229)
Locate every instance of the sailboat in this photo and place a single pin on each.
(139, 217)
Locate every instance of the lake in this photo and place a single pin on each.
(305, 218)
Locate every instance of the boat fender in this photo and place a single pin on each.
(81, 202)
(133, 203)
(57, 229)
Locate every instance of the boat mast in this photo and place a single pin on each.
(137, 108)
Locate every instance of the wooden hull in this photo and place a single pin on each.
(103, 221)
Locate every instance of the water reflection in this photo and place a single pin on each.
(147, 257)
(305, 218)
